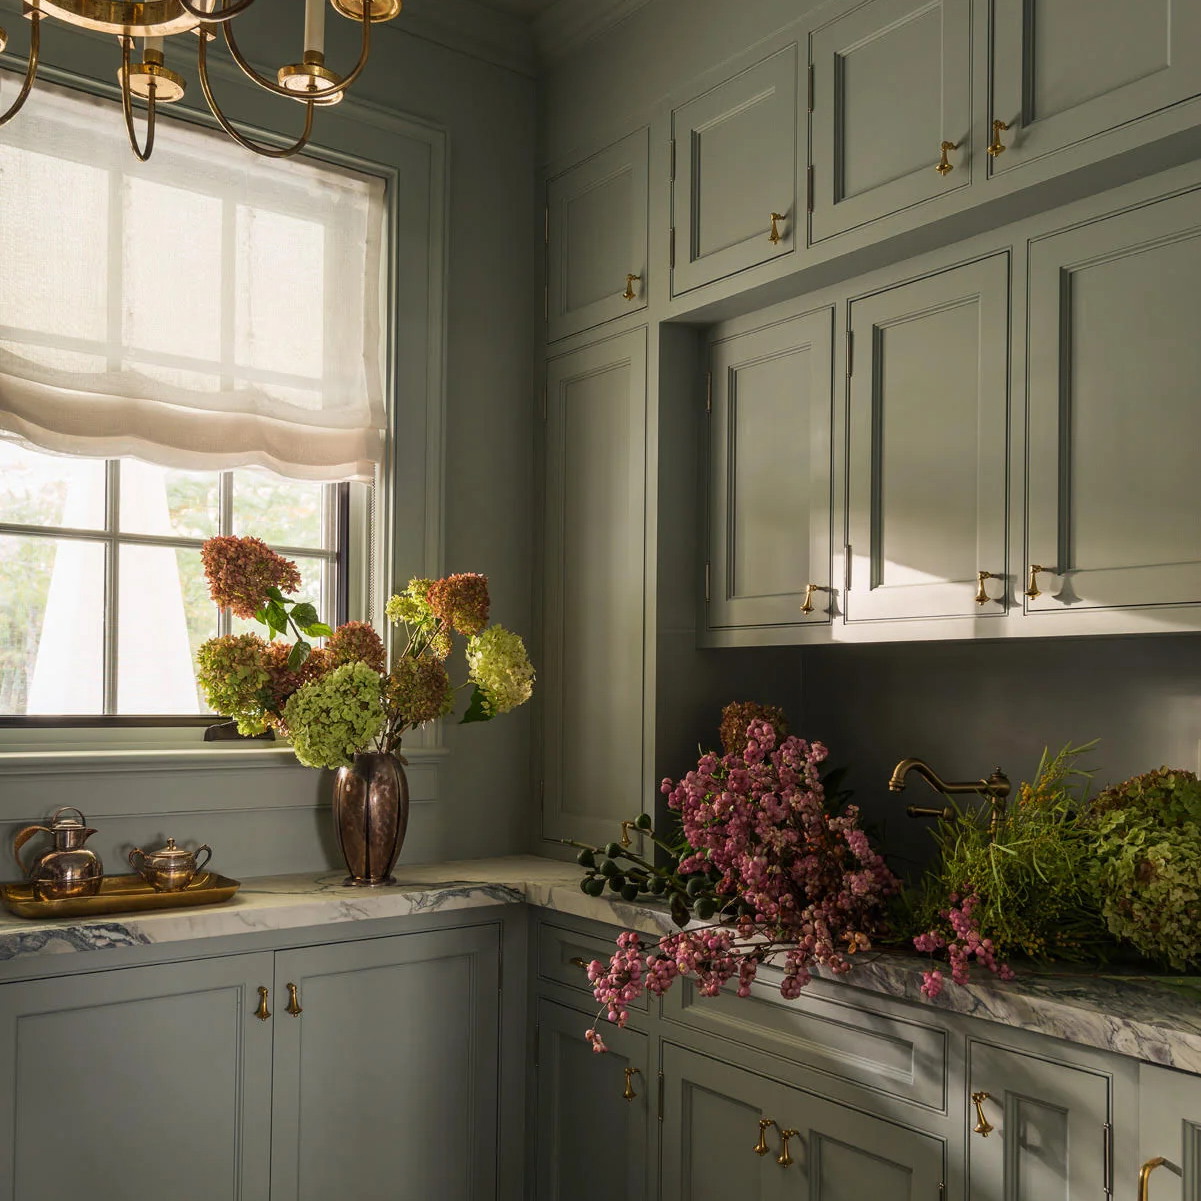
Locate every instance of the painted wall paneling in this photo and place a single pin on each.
(1114, 421)
(771, 396)
(891, 85)
(596, 229)
(735, 164)
(1062, 75)
(927, 447)
(1169, 1114)
(594, 625)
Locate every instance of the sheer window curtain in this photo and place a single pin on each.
(206, 310)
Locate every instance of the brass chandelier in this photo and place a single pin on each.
(309, 82)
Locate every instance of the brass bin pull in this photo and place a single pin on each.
(996, 146)
(807, 603)
(983, 1126)
(784, 1159)
(629, 293)
(578, 961)
(775, 234)
(1033, 591)
(293, 1006)
(944, 166)
(1144, 1177)
(629, 1094)
(982, 597)
(262, 1012)
(765, 1124)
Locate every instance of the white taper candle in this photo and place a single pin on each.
(314, 25)
(151, 44)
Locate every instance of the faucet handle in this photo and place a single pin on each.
(947, 814)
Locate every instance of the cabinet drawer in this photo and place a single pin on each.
(892, 1055)
(564, 955)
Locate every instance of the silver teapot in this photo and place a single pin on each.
(170, 868)
(67, 869)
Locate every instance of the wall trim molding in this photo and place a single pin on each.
(567, 25)
(472, 29)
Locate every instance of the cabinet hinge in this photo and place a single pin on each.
(546, 227)
(672, 177)
(708, 572)
(546, 302)
(543, 402)
(809, 189)
(708, 391)
(672, 240)
(1107, 1157)
(660, 1096)
(846, 568)
(942, 1191)
(537, 1043)
(811, 87)
(850, 353)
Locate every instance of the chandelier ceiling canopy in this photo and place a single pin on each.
(143, 72)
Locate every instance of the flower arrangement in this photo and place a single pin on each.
(343, 697)
(790, 881)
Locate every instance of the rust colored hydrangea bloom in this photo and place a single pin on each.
(461, 601)
(357, 642)
(738, 715)
(418, 690)
(240, 570)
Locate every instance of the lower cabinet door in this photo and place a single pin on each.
(1040, 1130)
(137, 1083)
(386, 1068)
(592, 1110)
(1169, 1160)
(711, 1131)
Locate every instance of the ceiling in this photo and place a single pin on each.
(520, 8)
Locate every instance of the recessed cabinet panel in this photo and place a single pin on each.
(734, 165)
(596, 234)
(590, 1136)
(1063, 72)
(595, 513)
(1169, 1113)
(772, 397)
(927, 454)
(1048, 1136)
(891, 83)
(1114, 419)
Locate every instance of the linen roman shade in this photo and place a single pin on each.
(205, 310)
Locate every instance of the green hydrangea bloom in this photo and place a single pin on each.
(1149, 854)
(232, 670)
(332, 717)
(497, 662)
(410, 606)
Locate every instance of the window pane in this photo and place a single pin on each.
(42, 489)
(281, 512)
(159, 500)
(164, 614)
(51, 625)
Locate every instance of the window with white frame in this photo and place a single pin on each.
(188, 347)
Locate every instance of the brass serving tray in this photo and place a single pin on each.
(119, 894)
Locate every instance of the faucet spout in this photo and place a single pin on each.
(995, 789)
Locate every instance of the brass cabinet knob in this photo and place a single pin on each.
(944, 166)
(982, 597)
(784, 1159)
(629, 293)
(579, 961)
(775, 234)
(996, 146)
(629, 1094)
(262, 1012)
(983, 1126)
(765, 1124)
(1144, 1177)
(293, 1006)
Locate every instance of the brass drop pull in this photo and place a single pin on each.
(577, 961)
(983, 1126)
(944, 166)
(996, 146)
(1144, 1177)
(629, 293)
(982, 597)
(1032, 589)
(765, 1124)
(784, 1159)
(630, 1094)
(775, 234)
(807, 603)
(626, 827)
(293, 1006)
(262, 1012)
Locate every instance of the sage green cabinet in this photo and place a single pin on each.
(114, 1084)
(1065, 73)
(771, 399)
(1169, 1113)
(735, 162)
(891, 84)
(596, 234)
(927, 447)
(592, 1111)
(593, 567)
(1114, 420)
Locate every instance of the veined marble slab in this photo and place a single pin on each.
(1136, 1016)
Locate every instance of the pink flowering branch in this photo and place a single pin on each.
(962, 943)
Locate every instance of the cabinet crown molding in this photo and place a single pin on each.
(567, 24)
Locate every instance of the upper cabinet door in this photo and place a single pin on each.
(891, 84)
(928, 447)
(735, 164)
(1063, 72)
(1169, 1113)
(772, 407)
(596, 226)
(1114, 418)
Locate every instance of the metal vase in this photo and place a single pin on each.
(371, 815)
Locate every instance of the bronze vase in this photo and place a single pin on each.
(371, 814)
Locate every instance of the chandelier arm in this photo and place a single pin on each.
(227, 125)
(216, 17)
(127, 105)
(326, 93)
(31, 69)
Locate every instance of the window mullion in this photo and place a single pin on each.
(112, 580)
(225, 525)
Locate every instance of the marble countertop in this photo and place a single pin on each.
(1136, 1016)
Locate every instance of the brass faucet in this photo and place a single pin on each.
(995, 790)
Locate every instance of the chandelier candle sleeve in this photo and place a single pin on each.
(314, 27)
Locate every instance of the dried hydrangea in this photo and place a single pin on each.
(418, 690)
(240, 570)
(234, 674)
(461, 602)
(357, 642)
(410, 607)
(336, 715)
(498, 663)
(738, 715)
